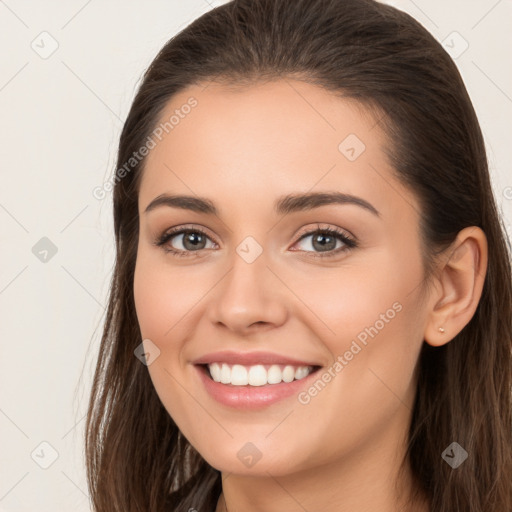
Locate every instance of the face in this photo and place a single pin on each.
(265, 279)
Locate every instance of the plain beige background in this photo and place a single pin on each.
(67, 77)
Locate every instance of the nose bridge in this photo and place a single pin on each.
(249, 269)
(247, 293)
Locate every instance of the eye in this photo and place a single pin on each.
(191, 240)
(328, 242)
(325, 240)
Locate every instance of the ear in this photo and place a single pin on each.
(459, 285)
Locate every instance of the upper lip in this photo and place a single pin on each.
(250, 358)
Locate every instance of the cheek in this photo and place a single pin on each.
(371, 318)
(164, 302)
(345, 302)
(163, 295)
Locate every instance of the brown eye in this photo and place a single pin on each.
(327, 240)
(181, 241)
(192, 240)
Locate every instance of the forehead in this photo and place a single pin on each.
(266, 139)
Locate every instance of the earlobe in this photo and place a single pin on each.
(460, 281)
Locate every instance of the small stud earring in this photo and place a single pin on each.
(441, 330)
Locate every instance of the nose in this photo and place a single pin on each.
(249, 297)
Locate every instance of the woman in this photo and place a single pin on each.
(312, 269)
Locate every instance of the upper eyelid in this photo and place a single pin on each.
(308, 231)
(181, 230)
(339, 231)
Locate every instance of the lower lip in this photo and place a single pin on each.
(251, 397)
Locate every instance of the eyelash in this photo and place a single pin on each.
(349, 242)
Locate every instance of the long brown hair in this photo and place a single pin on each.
(137, 459)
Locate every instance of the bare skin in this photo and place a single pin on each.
(244, 149)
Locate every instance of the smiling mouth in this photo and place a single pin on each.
(256, 375)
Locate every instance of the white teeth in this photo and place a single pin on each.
(301, 372)
(239, 375)
(275, 376)
(257, 375)
(288, 373)
(225, 374)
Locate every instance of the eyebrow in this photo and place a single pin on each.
(284, 205)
